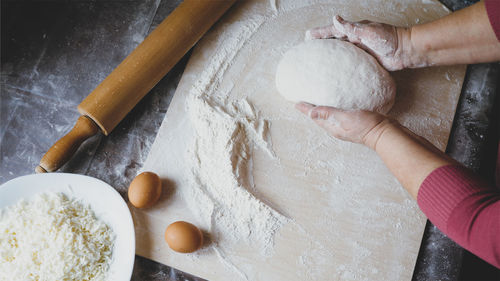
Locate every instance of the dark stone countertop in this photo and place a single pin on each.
(53, 53)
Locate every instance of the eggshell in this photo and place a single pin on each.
(144, 190)
(183, 237)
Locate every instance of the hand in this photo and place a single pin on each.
(390, 45)
(364, 127)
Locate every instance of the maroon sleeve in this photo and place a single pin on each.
(497, 170)
(465, 208)
(493, 11)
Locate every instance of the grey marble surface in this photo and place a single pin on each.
(54, 53)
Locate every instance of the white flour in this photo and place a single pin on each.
(222, 171)
(226, 133)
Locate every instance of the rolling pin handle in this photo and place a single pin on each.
(64, 148)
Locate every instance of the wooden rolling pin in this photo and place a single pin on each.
(108, 104)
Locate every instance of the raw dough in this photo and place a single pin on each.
(335, 73)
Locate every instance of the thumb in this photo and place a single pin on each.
(304, 107)
(326, 114)
(321, 113)
(318, 112)
(350, 29)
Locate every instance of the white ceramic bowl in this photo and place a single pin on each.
(104, 200)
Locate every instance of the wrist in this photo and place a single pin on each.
(376, 134)
(410, 53)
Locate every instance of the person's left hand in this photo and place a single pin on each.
(390, 45)
(359, 126)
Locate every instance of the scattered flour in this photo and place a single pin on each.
(222, 170)
(220, 155)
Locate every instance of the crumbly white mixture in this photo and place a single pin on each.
(53, 237)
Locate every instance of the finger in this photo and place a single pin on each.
(350, 29)
(332, 127)
(339, 23)
(304, 107)
(323, 32)
(323, 113)
(364, 22)
(337, 115)
(339, 19)
(351, 26)
(350, 116)
(331, 31)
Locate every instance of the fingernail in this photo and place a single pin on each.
(304, 107)
(306, 103)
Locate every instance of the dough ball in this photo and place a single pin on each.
(335, 73)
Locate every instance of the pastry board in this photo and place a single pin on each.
(349, 217)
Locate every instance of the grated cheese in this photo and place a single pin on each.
(53, 237)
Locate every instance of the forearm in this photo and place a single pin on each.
(454, 199)
(409, 157)
(463, 37)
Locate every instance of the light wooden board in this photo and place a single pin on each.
(352, 219)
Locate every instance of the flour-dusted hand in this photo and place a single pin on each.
(390, 45)
(359, 126)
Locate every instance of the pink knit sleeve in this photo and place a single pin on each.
(493, 11)
(465, 208)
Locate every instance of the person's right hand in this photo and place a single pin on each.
(390, 45)
(359, 126)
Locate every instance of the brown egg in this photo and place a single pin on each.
(144, 190)
(183, 237)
